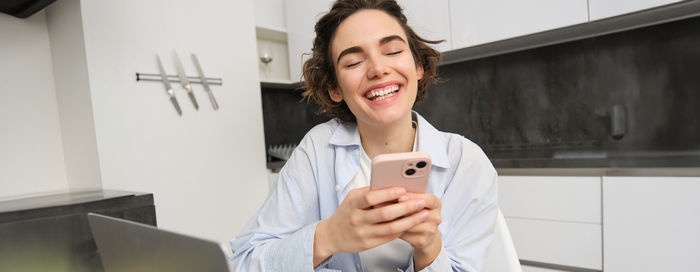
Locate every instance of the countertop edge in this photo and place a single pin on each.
(635, 172)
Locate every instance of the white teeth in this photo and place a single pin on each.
(385, 92)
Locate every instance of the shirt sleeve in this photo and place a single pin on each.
(442, 261)
(280, 236)
(469, 210)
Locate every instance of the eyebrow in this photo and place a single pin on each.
(356, 49)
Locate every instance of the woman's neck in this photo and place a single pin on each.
(393, 138)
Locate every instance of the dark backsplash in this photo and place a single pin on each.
(540, 101)
(562, 96)
(286, 117)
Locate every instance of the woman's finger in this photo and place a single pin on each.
(401, 225)
(390, 212)
(420, 235)
(366, 198)
(431, 201)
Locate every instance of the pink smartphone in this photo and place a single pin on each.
(409, 170)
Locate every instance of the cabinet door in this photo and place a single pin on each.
(527, 268)
(476, 22)
(270, 14)
(430, 20)
(651, 223)
(301, 17)
(575, 245)
(554, 219)
(600, 9)
(558, 198)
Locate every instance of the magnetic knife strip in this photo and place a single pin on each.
(185, 82)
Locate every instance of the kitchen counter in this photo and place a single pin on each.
(637, 172)
(669, 164)
(596, 159)
(51, 232)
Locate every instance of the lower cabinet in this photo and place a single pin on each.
(651, 223)
(611, 224)
(554, 220)
(575, 245)
(527, 268)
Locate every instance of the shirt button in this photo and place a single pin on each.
(337, 188)
(358, 266)
(357, 152)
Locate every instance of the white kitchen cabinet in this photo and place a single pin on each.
(557, 242)
(554, 219)
(301, 17)
(561, 198)
(527, 268)
(272, 44)
(430, 20)
(651, 223)
(269, 14)
(476, 22)
(271, 35)
(600, 9)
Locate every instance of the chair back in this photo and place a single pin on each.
(501, 256)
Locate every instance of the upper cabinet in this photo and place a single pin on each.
(489, 26)
(301, 16)
(600, 9)
(270, 14)
(476, 22)
(430, 20)
(271, 35)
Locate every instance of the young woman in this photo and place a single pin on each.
(367, 70)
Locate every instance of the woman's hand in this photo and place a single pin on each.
(425, 237)
(356, 226)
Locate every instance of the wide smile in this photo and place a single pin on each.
(381, 93)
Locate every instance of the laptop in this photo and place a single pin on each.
(129, 246)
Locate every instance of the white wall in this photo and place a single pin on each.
(73, 95)
(31, 152)
(205, 168)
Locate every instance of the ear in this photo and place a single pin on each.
(419, 71)
(336, 96)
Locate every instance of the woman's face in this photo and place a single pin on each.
(377, 76)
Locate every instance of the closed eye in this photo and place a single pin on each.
(352, 64)
(395, 52)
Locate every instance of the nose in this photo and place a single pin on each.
(377, 68)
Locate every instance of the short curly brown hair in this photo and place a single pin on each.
(319, 70)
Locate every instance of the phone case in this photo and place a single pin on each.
(409, 170)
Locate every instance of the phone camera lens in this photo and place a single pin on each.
(410, 172)
(420, 164)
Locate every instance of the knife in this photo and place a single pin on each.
(204, 82)
(168, 88)
(184, 81)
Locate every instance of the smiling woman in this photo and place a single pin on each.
(319, 70)
(368, 69)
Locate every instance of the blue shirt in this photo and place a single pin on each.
(314, 181)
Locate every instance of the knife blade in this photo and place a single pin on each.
(168, 88)
(184, 81)
(204, 82)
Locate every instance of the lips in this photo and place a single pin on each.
(383, 92)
